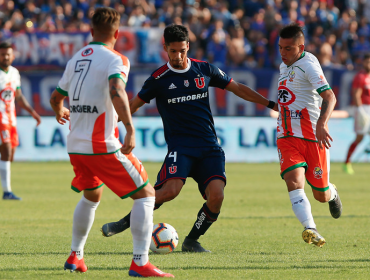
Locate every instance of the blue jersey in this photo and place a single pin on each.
(183, 102)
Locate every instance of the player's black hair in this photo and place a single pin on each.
(175, 33)
(366, 56)
(293, 30)
(5, 45)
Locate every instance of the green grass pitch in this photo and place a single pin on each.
(256, 236)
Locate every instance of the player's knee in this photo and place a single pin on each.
(216, 198)
(322, 196)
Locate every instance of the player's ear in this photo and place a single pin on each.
(165, 47)
(116, 34)
(188, 46)
(301, 48)
(92, 32)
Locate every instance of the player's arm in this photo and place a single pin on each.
(121, 104)
(61, 112)
(22, 101)
(327, 107)
(249, 94)
(135, 104)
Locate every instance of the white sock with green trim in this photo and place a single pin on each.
(83, 219)
(333, 192)
(302, 208)
(5, 175)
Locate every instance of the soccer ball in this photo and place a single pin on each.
(164, 239)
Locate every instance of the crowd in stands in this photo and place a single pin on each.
(232, 32)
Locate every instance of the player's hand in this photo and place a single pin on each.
(62, 116)
(129, 143)
(36, 117)
(322, 135)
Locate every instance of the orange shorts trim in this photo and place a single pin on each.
(9, 134)
(123, 174)
(295, 152)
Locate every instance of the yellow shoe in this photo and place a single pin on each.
(347, 167)
(311, 236)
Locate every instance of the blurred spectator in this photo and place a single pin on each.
(217, 49)
(342, 24)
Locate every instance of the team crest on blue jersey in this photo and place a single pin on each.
(199, 82)
(172, 169)
(87, 52)
(186, 83)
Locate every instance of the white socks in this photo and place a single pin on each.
(333, 192)
(302, 208)
(141, 222)
(5, 175)
(83, 219)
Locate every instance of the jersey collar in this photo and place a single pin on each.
(6, 72)
(180, 71)
(97, 43)
(302, 56)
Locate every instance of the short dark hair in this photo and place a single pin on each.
(293, 30)
(5, 45)
(366, 56)
(105, 20)
(175, 33)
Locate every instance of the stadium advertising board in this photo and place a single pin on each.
(38, 86)
(244, 139)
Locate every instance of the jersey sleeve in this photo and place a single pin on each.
(119, 68)
(218, 77)
(358, 81)
(18, 80)
(63, 84)
(148, 91)
(316, 77)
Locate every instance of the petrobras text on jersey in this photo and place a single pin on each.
(187, 98)
(244, 139)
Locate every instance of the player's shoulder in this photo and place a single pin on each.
(308, 60)
(160, 72)
(100, 51)
(13, 70)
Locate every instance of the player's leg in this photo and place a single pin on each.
(292, 165)
(166, 192)
(170, 180)
(141, 228)
(209, 173)
(6, 157)
(347, 166)
(84, 214)
(126, 177)
(317, 176)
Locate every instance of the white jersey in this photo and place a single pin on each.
(299, 89)
(9, 82)
(93, 119)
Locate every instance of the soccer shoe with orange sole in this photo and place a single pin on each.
(312, 236)
(74, 264)
(147, 270)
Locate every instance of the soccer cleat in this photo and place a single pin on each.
(74, 264)
(191, 245)
(147, 270)
(335, 206)
(311, 236)
(347, 168)
(113, 228)
(10, 196)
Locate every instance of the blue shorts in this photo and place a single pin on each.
(202, 164)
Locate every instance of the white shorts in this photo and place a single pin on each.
(361, 126)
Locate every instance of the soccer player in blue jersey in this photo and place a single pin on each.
(180, 88)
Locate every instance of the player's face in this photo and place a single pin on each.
(290, 50)
(177, 54)
(6, 57)
(367, 65)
